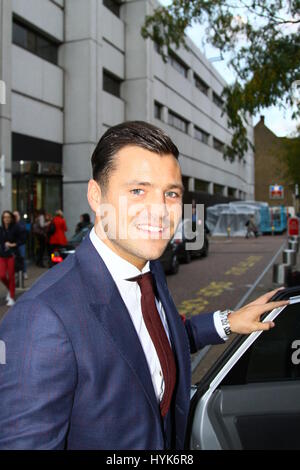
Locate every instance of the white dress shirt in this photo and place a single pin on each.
(120, 270)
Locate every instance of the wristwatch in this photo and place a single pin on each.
(224, 320)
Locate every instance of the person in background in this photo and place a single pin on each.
(40, 229)
(58, 238)
(22, 239)
(9, 241)
(50, 229)
(251, 227)
(85, 221)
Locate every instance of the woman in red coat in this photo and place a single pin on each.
(58, 237)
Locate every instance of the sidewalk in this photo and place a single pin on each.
(34, 273)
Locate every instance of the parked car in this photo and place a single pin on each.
(169, 258)
(185, 235)
(250, 398)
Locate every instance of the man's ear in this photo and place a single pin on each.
(94, 196)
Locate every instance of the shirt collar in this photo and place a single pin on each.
(119, 268)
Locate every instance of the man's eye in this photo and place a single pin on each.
(137, 191)
(172, 194)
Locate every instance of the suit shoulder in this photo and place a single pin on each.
(55, 282)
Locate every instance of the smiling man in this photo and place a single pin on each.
(97, 356)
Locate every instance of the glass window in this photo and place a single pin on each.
(113, 5)
(111, 84)
(201, 85)
(178, 122)
(157, 110)
(217, 100)
(201, 185)
(19, 35)
(34, 42)
(178, 64)
(157, 47)
(231, 192)
(218, 189)
(274, 356)
(218, 145)
(201, 135)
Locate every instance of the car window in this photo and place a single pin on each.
(274, 356)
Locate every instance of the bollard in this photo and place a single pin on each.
(289, 257)
(293, 245)
(20, 280)
(228, 231)
(281, 273)
(273, 229)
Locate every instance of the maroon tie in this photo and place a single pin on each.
(158, 336)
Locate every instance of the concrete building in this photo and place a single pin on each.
(270, 168)
(72, 69)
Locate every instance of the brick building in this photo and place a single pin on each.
(270, 169)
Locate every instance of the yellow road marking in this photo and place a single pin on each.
(199, 303)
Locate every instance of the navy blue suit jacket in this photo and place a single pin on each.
(76, 376)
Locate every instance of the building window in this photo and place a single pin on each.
(114, 6)
(218, 145)
(178, 64)
(111, 84)
(200, 84)
(218, 189)
(201, 135)
(201, 185)
(178, 122)
(157, 47)
(158, 110)
(231, 192)
(217, 100)
(35, 42)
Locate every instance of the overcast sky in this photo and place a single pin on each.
(278, 120)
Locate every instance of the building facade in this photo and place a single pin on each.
(270, 169)
(72, 69)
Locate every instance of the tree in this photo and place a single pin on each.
(262, 37)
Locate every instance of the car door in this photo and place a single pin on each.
(251, 397)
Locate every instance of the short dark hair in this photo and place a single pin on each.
(139, 133)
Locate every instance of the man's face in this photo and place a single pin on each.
(145, 191)
(17, 216)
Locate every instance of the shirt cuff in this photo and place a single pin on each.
(219, 326)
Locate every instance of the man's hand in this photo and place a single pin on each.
(247, 319)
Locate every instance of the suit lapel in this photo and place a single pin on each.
(109, 308)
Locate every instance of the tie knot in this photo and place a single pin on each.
(145, 281)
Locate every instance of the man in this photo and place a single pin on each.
(97, 354)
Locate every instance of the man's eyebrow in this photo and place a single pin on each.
(147, 183)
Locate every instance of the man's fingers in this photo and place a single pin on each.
(264, 326)
(260, 309)
(266, 297)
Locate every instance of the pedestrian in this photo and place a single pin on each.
(85, 221)
(9, 240)
(21, 226)
(106, 361)
(251, 227)
(57, 238)
(40, 231)
(50, 229)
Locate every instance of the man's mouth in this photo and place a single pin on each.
(151, 228)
